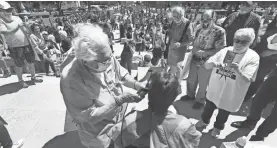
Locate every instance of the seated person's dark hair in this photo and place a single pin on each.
(33, 26)
(163, 90)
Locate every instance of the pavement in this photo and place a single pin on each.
(38, 115)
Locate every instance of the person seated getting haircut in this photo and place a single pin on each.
(156, 126)
(146, 61)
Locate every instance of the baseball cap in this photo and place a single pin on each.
(4, 5)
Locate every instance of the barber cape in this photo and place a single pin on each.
(145, 129)
(273, 45)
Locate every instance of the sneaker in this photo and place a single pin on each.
(200, 124)
(256, 138)
(23, 84)
(215, 133)
(6, 75)
(37, 80)
(243, 124)
(57, 75)
(18, 144)
(187, 98)
(198, 105)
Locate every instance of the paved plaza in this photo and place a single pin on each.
(38, 115)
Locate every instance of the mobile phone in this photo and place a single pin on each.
(229, 57)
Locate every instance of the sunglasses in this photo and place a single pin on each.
(238, 41)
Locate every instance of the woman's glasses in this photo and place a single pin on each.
(105, 62)
(239, 41)
(9, 10)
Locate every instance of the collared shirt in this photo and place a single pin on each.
(214, 38)
(83, 93)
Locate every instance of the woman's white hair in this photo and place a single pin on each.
(96, 40)
(247, 33)
(179, 10)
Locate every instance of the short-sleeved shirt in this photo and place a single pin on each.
(82, 91)
(214, 38)
(15, 39)
(227, 88)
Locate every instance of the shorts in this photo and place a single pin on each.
(22, 54)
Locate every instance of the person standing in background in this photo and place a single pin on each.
(244, 18)
(180, 35)
(19, 42)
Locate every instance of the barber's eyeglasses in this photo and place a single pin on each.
(239, 41)
(105, 62)
(9, 10)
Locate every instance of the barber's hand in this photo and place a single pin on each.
(140, 85)
(130, 98)
(177, 45)
(5, 45)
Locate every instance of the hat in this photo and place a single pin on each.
(4, 5)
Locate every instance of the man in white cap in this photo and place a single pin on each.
(16, 37)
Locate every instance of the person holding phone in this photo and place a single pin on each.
(233, 70)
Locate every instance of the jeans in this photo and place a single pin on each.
(198, 75)
(265, 95)
(52, 65)
(221, 117)
(266, 65)
(5, 138)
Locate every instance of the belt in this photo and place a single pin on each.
(200, 58)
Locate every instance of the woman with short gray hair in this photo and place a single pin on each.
(233, 70)
(92, 89)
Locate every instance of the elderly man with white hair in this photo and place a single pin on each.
(233, 69)
(180, 35)
(92, 89)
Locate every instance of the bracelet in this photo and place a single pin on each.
(135, 85)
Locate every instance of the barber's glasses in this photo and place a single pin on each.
(9, 10)
(108, 61)
(239, 41)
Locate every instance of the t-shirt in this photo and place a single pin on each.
(15, 39)
(227, 88)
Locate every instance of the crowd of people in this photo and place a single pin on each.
(229, 64)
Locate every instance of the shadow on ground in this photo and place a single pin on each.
(12, 87)
(185, 108)
(246, 106)
(67, 140)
